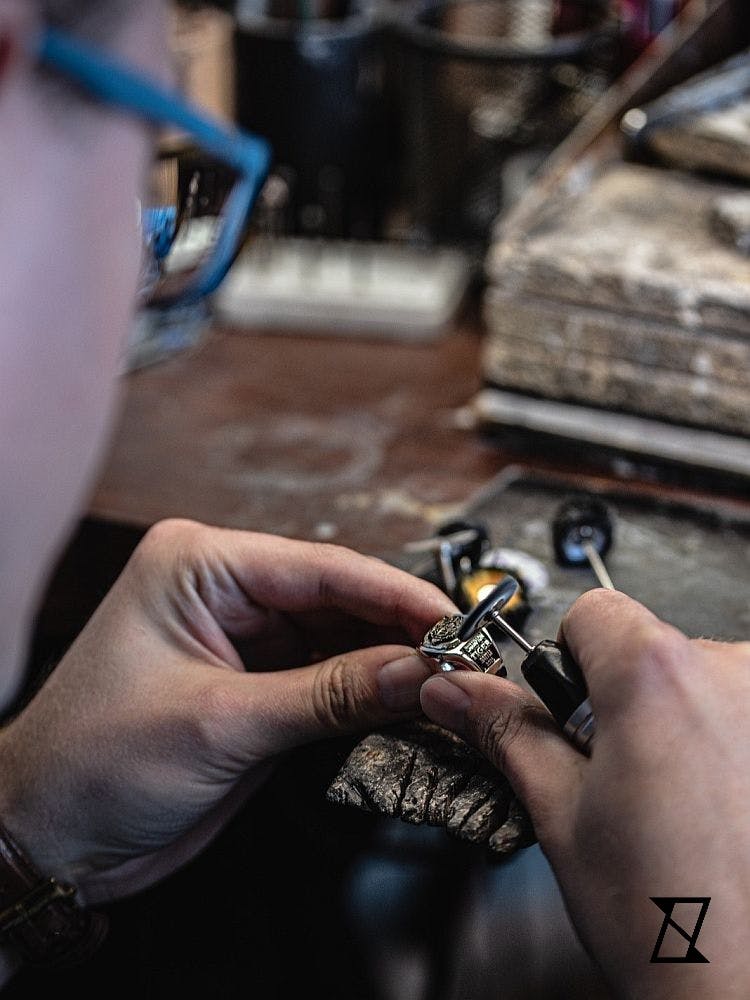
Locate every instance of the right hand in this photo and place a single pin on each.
(662, 806)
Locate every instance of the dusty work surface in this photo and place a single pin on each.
(350, 441)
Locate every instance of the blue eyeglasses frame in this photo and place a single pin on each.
(116, 85)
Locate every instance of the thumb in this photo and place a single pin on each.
(347, 693)
(514, 731)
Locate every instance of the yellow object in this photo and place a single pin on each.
(477, 585)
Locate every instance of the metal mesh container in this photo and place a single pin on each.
(488, 88)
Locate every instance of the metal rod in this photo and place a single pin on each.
(600, 570)
(433, 544)
(509, 630)
(446, 567)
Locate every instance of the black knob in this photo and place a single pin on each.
(580, 520)
(474, 546)
(556, 678)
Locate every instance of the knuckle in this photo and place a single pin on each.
(659, 650)
(211, 720)
(325, 557)
(337, 695)
(168, 550)
(591, 606)
(167, 535)
(659, 667)
(325, 554)
(498, 734)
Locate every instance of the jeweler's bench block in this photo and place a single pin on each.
(620, 294)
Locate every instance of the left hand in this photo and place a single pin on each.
(150, 733)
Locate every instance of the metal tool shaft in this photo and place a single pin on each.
(600, 570)
(446, 566)
(498, 619)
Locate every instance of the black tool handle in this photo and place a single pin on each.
(557, 679)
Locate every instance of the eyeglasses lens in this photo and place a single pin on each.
(182, 217)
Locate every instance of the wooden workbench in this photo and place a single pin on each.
(332, 438)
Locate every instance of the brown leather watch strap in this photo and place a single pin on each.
(39, 916)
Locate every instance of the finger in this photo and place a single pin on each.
(621, 646)
(300, 577)
(238, 574)
(349, 693)
(514, 732)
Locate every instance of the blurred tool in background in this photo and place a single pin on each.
(643, 20)
(701, 125)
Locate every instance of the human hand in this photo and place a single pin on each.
(150, 733)
(662, 806)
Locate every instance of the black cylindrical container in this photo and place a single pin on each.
(486, 82)
(315, 88)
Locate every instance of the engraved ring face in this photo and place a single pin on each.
(445, 632)
(477, 652)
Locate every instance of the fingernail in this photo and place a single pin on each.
(400, 681)
(445, 702)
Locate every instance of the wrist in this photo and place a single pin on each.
(34, 792)
(39, 917)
